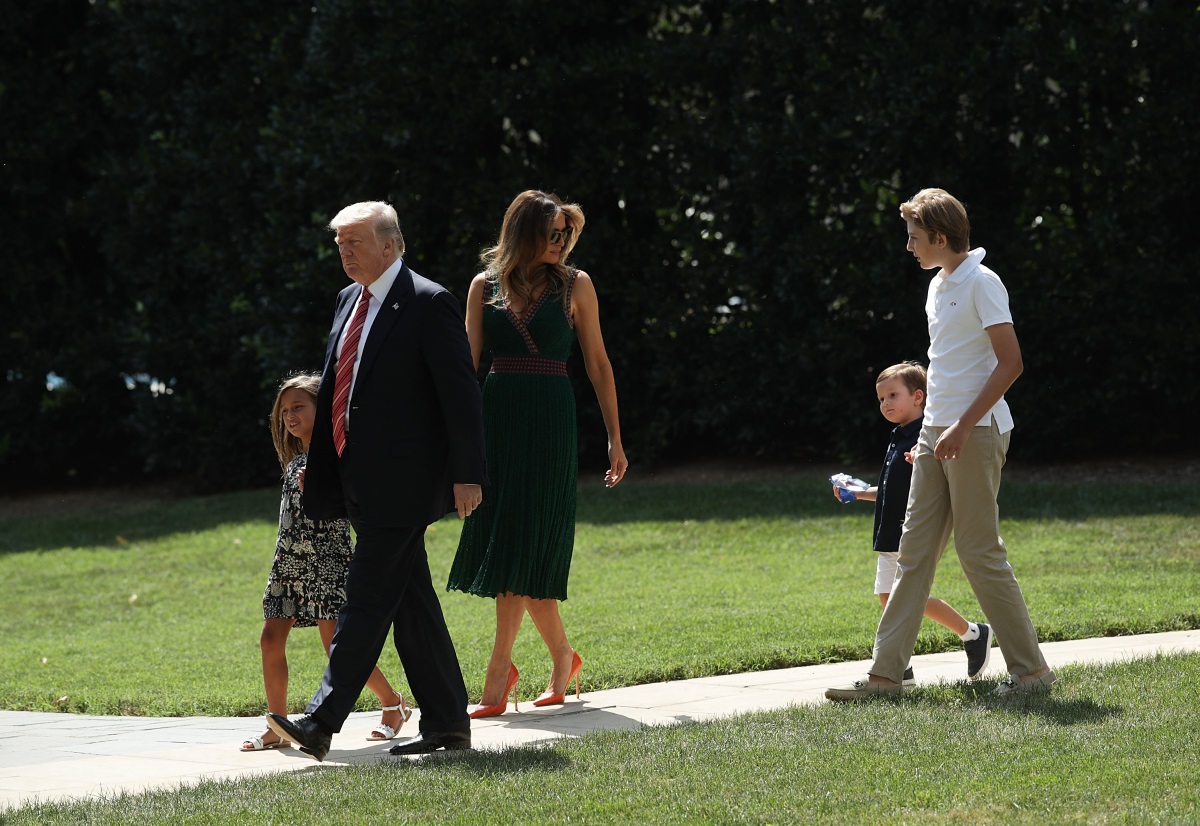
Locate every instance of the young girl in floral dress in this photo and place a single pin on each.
(307, 583)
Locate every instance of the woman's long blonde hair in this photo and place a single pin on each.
(512, 264)
(287, 446)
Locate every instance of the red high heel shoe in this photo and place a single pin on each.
(553, 698)
(500, 707)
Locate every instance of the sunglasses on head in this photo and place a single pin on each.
(560, 236)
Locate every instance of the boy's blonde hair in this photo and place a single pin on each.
(287, 446)
(936, 210)
(912, 373)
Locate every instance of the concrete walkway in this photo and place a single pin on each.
(48, 756)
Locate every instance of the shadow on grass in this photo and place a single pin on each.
(483, 762)
(118, 526)
(487, 763)
(1051, 707)
(1060, 712)
(804, 496)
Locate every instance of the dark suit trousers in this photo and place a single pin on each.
(390, 586)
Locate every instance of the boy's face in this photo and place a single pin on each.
(897, 403)
(929, 254)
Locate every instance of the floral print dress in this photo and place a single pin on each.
(312, 558)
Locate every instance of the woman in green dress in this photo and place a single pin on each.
(526, 309)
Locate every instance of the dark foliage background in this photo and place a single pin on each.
(168, 168)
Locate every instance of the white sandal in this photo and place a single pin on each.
(385, 732)
(257, 744)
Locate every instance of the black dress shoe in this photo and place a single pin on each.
(430, 741)
(305, 733)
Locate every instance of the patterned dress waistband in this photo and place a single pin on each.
(536, 365)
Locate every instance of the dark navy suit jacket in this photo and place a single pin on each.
(416, 421)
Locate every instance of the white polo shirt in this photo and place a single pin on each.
(960, 307)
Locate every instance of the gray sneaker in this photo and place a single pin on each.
(909, 679)
(979, 651)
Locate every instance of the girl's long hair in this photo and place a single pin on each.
(512, 264)
(287, 446)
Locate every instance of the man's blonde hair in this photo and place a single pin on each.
(382, 215)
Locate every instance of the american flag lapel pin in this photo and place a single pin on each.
(396, 306)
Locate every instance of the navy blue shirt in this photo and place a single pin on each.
(891, 498)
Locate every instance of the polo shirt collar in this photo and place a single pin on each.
(971, 263)
(910, 429)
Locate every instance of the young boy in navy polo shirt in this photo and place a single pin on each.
(901, 392)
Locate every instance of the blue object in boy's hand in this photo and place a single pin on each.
(846, 486)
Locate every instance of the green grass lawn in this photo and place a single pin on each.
(669, 581)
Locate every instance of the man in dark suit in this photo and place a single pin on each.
(397, 444)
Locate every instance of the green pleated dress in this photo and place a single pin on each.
(521, 538)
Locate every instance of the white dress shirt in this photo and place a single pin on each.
(378, 291)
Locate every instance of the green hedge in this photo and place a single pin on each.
(169, 168)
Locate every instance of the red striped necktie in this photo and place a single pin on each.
(345, 370)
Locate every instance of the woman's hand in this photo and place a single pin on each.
(617, 465)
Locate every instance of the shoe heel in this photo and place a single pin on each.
(577, 673)
(511, 688)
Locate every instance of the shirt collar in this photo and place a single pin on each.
(971, 263)
(380, 287)
(909, 429)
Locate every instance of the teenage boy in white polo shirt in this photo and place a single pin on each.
(974, 358)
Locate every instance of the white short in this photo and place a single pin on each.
(886, 571)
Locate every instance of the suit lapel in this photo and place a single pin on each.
(346, 300)
(389, 313)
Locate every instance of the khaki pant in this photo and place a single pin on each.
(958, 495)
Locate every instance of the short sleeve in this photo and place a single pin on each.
(991, 300)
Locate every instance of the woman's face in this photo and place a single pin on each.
(556, 242)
